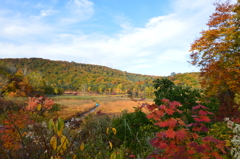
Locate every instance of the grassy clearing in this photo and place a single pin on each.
(72, 105)
(70, 97)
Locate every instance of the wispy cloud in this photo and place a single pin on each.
(47, 12)
(123, 21)
(77, 10)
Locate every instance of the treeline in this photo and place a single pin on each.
(55, 77)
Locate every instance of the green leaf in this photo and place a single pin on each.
(50, 124)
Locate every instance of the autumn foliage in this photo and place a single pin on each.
(14, 130)
(39, 104)
(178, 140)
(17, 86)
(216, 52)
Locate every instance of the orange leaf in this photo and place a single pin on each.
(170, 133)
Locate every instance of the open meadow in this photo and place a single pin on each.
(112, 105)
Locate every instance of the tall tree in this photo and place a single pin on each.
(216, 52)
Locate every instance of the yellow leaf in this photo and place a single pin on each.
(53, 142)
(82, 146)
(114, 131)
(110, 144)
(74, 157)
(117, 154)
(228, 143)
(60, 150)
(107, 131)
(39, 106)
(59, 133)
(64, 142)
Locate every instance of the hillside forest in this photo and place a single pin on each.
(180, 116)
(57, 77)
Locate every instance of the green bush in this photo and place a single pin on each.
(134, 131)
(187, 96)
(220, 131)
(93, 135)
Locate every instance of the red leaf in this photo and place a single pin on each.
(155, 117)
(132, 156)
(197, 119)
(210, 138)
(172, 122)
(181, 134)
(169, 111)
(163, 145)
(202, 112)
(162, 124)
(165, 100)
(151, 107)
(200, 148)
(221, 147)
(175, 103)
(204, 129)
(204, 118)
(150, 116)
(179, 111)
(200, 106)
(194, 135)
(162, 107)
(181, 122)
(170, 133)
(191, 152)
(160, 113)
(154, 142)
(216, 155)
(192, 144)
(160, 135)
(195, 128)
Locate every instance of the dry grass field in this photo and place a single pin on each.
(108, 105)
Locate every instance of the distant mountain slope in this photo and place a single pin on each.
(71, 75)
(64, 73)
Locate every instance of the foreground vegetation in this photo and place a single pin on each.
(183, 122)
(162, 130)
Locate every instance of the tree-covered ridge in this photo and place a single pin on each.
(46, 67)
(87, 77)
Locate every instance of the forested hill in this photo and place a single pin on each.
(87, 77)
(71, 74)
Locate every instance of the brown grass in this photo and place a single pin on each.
(72, 107)
(109, 105)
(116, 107)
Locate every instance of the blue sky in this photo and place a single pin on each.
(149, 37)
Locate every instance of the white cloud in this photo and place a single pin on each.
(158, 48)
(153, 22)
